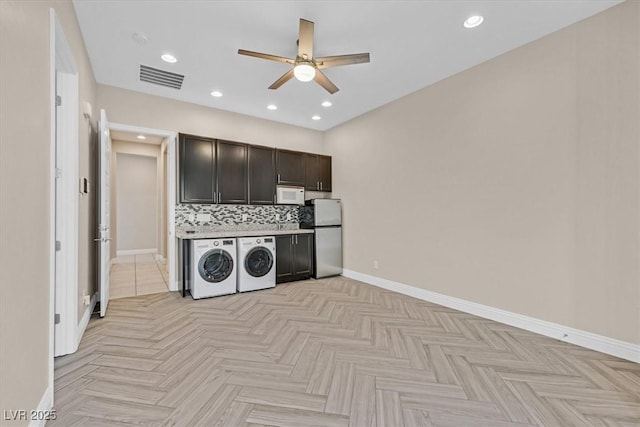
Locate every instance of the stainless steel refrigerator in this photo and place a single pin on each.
(325, 217)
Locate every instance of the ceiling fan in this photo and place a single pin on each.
(305, 66)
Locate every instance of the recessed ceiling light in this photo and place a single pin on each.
(167, 57)
(141, 137)
(216, 94)
(327, 104)
(316, 117)
(272, 107)
(473, 21)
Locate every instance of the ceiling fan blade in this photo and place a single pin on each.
(266, 56)
(305, 38)
(336, 61)
(282, 80)
(324, 81)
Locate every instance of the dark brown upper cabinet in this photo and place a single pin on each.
(262, 175)
(218, 171)
(232, 168)
(317, 172)
(290, 168)
(197, 169)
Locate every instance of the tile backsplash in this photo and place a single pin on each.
(231, 217)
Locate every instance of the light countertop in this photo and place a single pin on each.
(219, 234)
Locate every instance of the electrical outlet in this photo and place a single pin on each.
(86, 299)
(375, 264)
(204, 217)
(277, 217)
(245, 217)
(288, 216)
(192, 217)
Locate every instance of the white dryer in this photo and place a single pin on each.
(213, 267)
(256, 263)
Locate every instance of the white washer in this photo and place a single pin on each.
(256, 263)
(213, 267)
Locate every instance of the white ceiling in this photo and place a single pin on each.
(412, 44)
(133, 137)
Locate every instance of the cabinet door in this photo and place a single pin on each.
(284, 258)
(311, 182)
(232, 172)
(197, 169)
(262, 175)
(303, 259)
(324, 172)
(290, 168)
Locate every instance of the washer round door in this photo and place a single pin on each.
(215, 265)
(258, 262)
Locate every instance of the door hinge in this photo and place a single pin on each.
(58, 173)
(57, 318)
(58, 100)
(58, 245)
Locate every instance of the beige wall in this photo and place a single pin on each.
(514, 184)
(24, 192)
(138, 109)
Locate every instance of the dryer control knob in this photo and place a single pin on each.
(216, 243)
(258, 241)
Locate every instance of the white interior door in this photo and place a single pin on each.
(104, 228)
(66, 214)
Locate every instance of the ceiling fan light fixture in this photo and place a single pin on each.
(272, 107)
(326, 104)
(216, 94)
(473, 21)
(304, 72)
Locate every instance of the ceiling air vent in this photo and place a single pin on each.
(160, 77)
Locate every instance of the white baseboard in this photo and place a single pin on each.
(46, 404)
(614, 347)
(161, 259)
(85, 319)
(137, 252)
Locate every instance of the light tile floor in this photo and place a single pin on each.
(135, 275)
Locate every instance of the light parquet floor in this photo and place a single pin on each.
(333, 352)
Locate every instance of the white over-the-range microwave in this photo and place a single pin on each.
(289, 195)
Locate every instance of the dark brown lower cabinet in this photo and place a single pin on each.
(294, 257)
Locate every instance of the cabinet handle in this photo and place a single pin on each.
(274, 199)
(317, 185)
(292, 240)
(219, 198)
(278, 178)
(296, 239)
(320, 185)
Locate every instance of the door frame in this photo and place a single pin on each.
(171, 177)
(63, 283)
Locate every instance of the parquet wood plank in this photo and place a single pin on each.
(363, 402)
(281, 398)
(341, 389)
